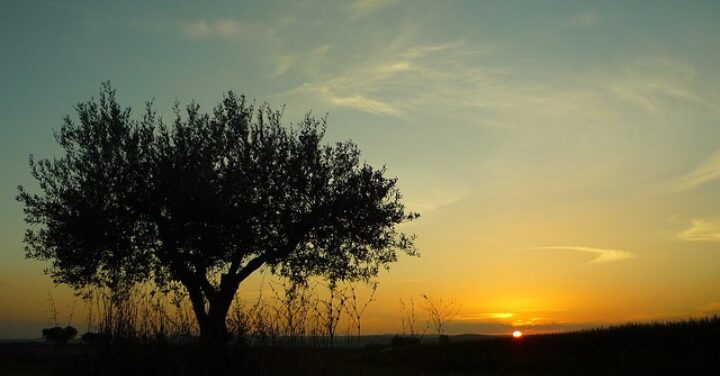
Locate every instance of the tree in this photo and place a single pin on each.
(206, 201)
(58, 334)
(409, 320)
(329, 310)
(440, 311)
(356, 308)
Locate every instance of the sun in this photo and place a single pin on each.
(517, 334)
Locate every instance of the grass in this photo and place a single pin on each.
(689, 347)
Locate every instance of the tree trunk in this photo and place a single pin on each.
(211, 320)
(214, 337)
(213, 329)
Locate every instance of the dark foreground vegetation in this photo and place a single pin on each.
(679, 348)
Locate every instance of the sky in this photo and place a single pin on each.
(564, 155)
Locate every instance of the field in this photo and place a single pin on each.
(677, 348)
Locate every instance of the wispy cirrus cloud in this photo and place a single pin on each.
(408, 71)
(359, 102)
(229, 27)
(457, 76)
(586, 18)
(485, 316)
(702, 229)
(282, 65)
(601, 255)
(433, 196)
(369, 6)
(707, 171)
(661, 85)
(401, 70)
(505, 322)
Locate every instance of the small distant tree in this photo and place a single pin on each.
(52, 311)
(205, 201)
(58, 334)
(329, 310)
(356, 308)
(410, 326)
(292, 306)
(440, 311)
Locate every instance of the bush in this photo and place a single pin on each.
(404, 340)
(57, 334)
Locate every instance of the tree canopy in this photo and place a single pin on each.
(206, 200)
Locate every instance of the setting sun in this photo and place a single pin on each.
(517, 334)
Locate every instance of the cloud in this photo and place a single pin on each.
(424, 194)
(430, 198)
(399, 71)
(66, 7)
(453, 76)
(368, 6)
(495, 326)
(585, 18)
(405, 70)
(310, 62)
(602, 255)
(227, 28)
(197, 29)
(709, 308)
(702, 230)
(706, 172)
(357, 101)
(660, 86)
(485, 316)
(282, 65)
(365, 104)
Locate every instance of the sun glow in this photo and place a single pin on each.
(502, 315)
(517, 334)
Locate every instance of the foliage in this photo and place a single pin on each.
(58, 334)
(207, 200)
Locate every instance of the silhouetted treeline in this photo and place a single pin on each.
(678, 348)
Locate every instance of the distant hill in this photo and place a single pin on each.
(690, 347)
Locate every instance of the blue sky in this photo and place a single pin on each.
(565, 155)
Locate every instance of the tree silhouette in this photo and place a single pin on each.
(207, 200)
(58, 334)
(440, 312)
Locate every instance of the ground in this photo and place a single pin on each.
(681, 348)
